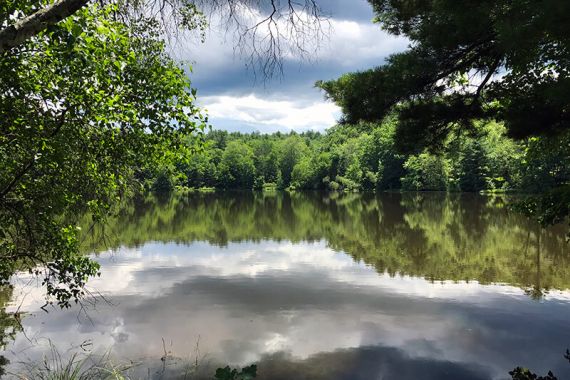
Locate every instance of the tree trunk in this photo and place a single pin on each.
(18, 33)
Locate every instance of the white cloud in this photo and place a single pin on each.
(355, 45)
(276, 114)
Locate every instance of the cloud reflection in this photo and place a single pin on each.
(309, 306)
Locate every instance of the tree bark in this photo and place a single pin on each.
(18, 33)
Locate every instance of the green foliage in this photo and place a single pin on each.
(473, 167)
(290, 152)
(546, 163)
(310, 172)
(447, 82)
(84, 106)
(546, 169)
(525, 374)
(163, 182)
(236, 167)
(266, 160)
(449, 41)
(425, 172)
(363, 157)
(227, 373)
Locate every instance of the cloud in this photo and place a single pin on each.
(357, 46)
(351, 46)
(266, 115)
(356, 10)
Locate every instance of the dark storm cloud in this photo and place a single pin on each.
(363, 363)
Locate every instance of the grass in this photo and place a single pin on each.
(88, 366)
(76, 367)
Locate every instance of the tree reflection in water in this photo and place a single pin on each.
(440, 237)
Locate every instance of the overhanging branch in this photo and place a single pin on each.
(16, 34)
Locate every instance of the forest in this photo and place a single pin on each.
(363, 157)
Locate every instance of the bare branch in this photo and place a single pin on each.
(267, 32)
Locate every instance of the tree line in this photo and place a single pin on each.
(363, 157)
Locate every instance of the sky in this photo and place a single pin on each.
(236, 101)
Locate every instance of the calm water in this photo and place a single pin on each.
(317, 287)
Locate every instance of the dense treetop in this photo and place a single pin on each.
(506, 60)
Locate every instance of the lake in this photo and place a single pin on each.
(315, 286)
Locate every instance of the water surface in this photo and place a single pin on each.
(310, 286)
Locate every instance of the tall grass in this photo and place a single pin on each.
(89, 366)
(78, 366)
